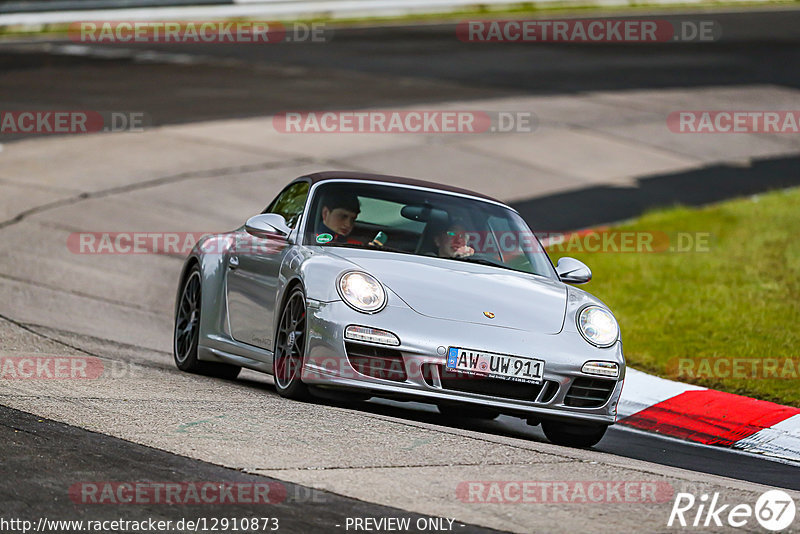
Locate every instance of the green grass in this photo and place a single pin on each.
(741, 299)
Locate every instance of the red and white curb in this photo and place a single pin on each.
(707, 416)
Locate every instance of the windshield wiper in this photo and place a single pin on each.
(367, 247)
(482, 261)
(346, 245)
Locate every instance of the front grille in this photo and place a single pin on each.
(377, 362)
(495, 387)
(589, 392)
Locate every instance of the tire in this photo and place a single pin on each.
(186, 333)
(580, 436)
(466, 411)
(290, 344)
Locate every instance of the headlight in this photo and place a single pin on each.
(362, 292)
(598, 326)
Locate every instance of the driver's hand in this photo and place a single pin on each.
(464, 252)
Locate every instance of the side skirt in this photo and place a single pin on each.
(236, 353)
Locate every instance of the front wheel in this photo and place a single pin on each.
(290, 346)
(573, 435)
(187, 333)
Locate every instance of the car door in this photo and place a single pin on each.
(253, 270)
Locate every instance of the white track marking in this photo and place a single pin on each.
(781, 440)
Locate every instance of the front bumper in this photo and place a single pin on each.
(423, 350)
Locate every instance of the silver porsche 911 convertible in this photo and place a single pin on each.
(371, 285)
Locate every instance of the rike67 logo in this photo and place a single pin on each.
(774, 510)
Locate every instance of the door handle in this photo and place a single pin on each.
(234, 262)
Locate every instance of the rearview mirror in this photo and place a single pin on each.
(572, 271)
(267, 225)
(425, 213)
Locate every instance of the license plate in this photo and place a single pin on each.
(491, 365)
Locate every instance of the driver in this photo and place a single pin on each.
(339, 213)
(452, 243)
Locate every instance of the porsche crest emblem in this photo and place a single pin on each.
(489, 315)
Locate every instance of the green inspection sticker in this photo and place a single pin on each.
(324, 238)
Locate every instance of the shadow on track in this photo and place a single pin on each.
(604, 204)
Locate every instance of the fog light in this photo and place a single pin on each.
(601, 369)
(373, 335)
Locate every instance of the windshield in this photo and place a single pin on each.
(412, 221)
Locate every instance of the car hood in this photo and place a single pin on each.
(460, 291)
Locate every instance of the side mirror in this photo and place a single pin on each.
(267, 225)
(572, 271)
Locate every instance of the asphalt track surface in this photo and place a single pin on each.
(625, 442)
(383, 67)
(43, 481)
(372, 67)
